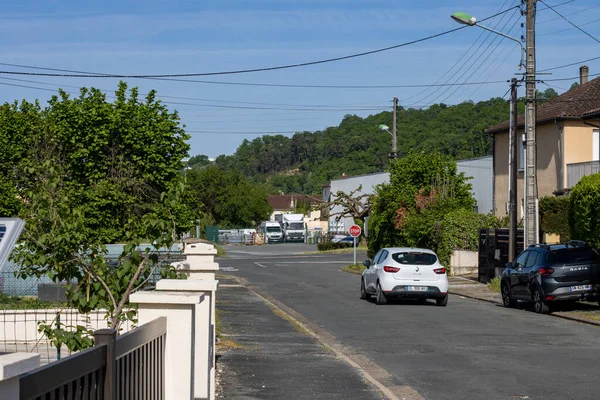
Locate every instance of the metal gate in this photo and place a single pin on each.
(493, 251)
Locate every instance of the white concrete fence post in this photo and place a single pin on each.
(189, 306)
(11, 366)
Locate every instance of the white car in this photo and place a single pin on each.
(404, 272)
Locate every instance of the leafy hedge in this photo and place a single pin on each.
(554, 216)
(584, 212)
(324, 246)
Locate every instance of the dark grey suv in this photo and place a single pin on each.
(543, 274)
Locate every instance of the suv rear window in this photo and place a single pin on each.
(571, 256)
(414, 258)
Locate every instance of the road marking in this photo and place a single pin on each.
(229, 269)
(260, 265)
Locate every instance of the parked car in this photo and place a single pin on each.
(546, 274)
(348, 240)
(404, 272)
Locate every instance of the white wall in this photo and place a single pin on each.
(347, 185)
(482, 171)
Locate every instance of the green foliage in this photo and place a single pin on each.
(227, 198)
(554, 216)
(308, 160)
(115, 158)
(354, 269)
(24, 303)
(584, 215)
(459, 230)
(325, 246)
(85, 172)
(494, 284)
(76, 338)
(423, 187)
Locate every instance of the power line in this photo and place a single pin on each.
(568, 15)
(565, 18)
(496, 38)
(196, 98)
(423, 96)
(568, 29)
(82, 74)
(570, 65)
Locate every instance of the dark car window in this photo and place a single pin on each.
(520, 261)
(532, 260)
(577, 255)
(414, 258)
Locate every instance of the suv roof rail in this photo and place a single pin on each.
(576, 243)
(540, 245)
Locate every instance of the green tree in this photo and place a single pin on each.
(228, 198)
(116, 157)
(423, 187)
(584, 210)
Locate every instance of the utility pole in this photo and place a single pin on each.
(530, 118)
(512, 195)
(394, 134)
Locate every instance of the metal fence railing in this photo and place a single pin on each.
(130, 366)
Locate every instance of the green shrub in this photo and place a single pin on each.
(584, 212)
(554, 216)
(324, 246)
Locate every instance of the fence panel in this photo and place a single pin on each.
(493, 251)
(128, 367)
(80, 376)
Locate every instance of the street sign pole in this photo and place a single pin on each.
(355, 233)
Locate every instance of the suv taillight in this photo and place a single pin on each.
(546, 271)
(391, 269)
(440, 271)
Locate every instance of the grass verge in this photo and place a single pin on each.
(494, 285)
(588, 315)
(292, 321)
(354, 269)
(348, 250)
(221, 252)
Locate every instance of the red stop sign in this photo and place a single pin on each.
(354, 231)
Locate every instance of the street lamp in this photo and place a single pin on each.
(466, 19)
(530, 175)
(386, 128)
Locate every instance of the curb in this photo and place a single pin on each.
(567, 317)
(371, 372)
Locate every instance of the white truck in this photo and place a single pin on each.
(273, 232)
(294, 228)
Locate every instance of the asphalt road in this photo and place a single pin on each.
(468, 350)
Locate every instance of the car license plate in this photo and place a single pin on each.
(416, 288)
(580, 287)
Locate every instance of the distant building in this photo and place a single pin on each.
(290, 203)
(480, 170)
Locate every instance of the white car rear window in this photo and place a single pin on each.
(414, 258)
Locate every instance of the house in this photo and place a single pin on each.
(480, 170)
(567, 144)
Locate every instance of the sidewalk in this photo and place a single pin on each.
(263, 355)
(468, 286)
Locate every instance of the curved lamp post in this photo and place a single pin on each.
(466, 19)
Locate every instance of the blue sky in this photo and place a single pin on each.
(154, 37)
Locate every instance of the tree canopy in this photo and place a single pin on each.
(307, 160)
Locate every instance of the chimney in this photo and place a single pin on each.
(583, 74)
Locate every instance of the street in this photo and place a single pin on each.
(468, 350)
